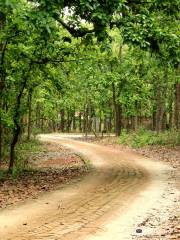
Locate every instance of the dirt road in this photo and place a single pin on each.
(105, 205)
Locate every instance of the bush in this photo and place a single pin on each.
(146, 137)
(24, 150)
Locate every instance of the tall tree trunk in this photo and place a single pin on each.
(68, 121)
(136, 116)
(1, 134)
(29, 112)
(16, 120)
(74, 120)
(154, 120)
(3, 46)
(90, 120)
(118, 119)
(105, 124)
(80, 122)
(2, 75)
(62, 120)
(86, 121)
(1, 128)
(160, 106)
(171, 116)
(177, 106)
(100, 123)
(117, 113)
(110, 124)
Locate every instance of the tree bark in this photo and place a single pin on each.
(62, 120)
(177, 106)
(16, 120)
(117, 113)
(2, 76)
(1, 133)
(80, 122)
(100, 123)
(160, 105)
(29, 112)
(74, 120)
(86, 121)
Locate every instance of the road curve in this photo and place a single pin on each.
(104, 205)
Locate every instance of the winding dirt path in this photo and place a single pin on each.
(104, 205)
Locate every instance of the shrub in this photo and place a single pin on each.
(146, 137)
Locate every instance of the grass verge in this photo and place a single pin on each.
(146, 137)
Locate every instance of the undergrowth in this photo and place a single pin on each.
(24, 150)
(146, 137)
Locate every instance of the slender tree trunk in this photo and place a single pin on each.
(2, 75)
(117, 113)
(3, 46)
(160, 107)
(53, 126)
(29, 113)
(154, 120)
(90, 120)
(177, 106)
(74, 120)
(1, 129)
(62, 120)
(105, 124)
(100, 124)
(16, 133)
(110, 124)
(1, 133)
(80, 122)
(16, 120)
(86, 121)
(171, 116)
(68, 120)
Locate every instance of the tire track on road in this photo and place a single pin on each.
(116, 182)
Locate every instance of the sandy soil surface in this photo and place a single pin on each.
(113, 202)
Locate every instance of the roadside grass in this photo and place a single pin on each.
(146, 137)
(24, 150)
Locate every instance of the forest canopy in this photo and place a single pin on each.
(87, 66)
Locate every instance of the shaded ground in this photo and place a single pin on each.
(115, 201)
(47, 170)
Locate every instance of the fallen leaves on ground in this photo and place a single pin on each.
(55, 166)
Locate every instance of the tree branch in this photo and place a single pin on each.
(74, 32)
(46, 60)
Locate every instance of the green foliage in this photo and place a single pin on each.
(34, 145)
(144, 137)
(23, 152)
(72, 56)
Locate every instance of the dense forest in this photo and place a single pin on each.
(87, 66)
